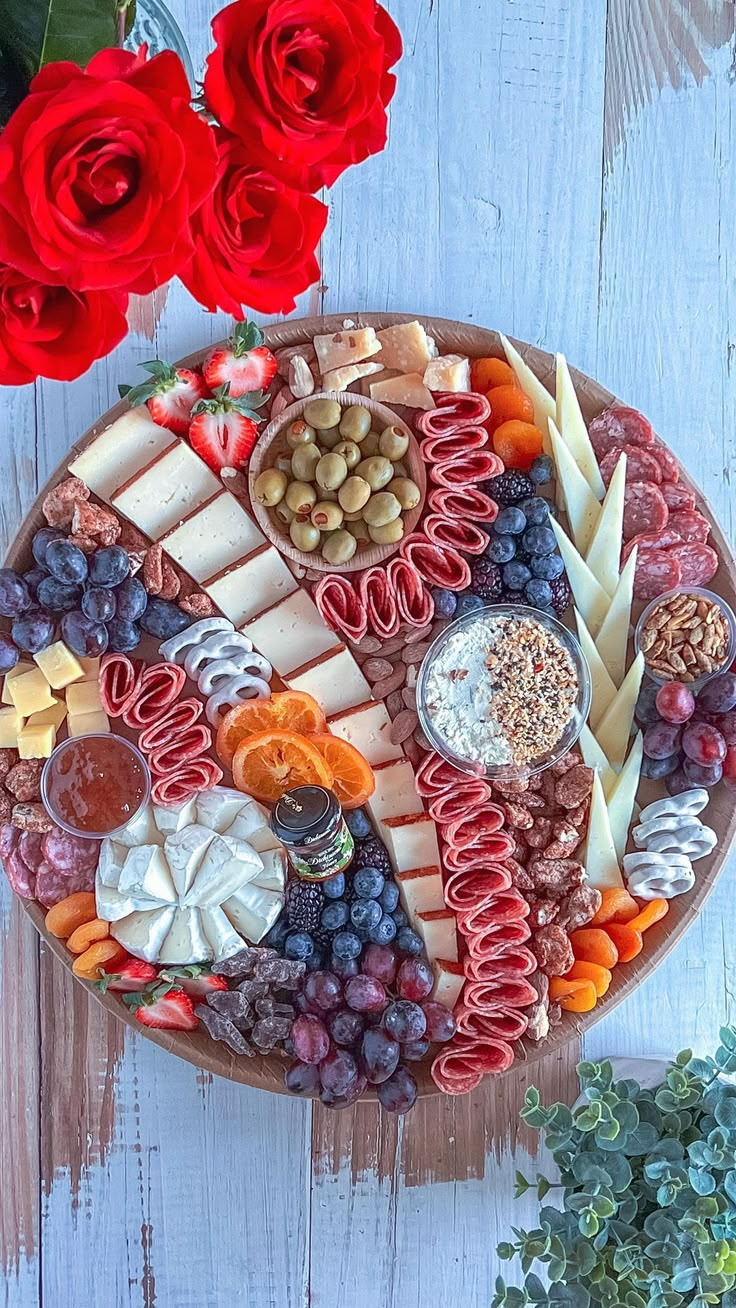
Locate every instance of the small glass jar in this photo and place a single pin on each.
(94, 786)
(309, 823)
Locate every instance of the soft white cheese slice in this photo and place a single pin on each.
(274, 873)
(143, 830)
(448, 983)
(112, 906)
(613, 637)
(143, 934)
(291, 633)
(219, 807)
(253, 911)
(110, 863)
(368, 728)
(421, 890)
(602, 687)
(590, 597)
(185, 850)
(146, 872)
(157, 499)
(544, 404)
(594, 757)
(601, 864)
(224, 939)
(251, 586)
(226, 866)
(395, 794)
(614, 729)
(581, 505)
(171, 819)
(603, 555)
(622, 797)
(213, 538)
(571, 424)
(411, 841)
(335, 681)
(252, 824)
(439, 933)
(120, 451)
(185, 941)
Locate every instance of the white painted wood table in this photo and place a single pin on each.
(563, 170)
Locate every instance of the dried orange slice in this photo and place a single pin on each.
(269, 763)
(354, 781)
(292, 710)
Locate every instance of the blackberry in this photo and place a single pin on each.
(487, 579)
(561, 594)
(510, 487)
(304, 904)
(370, 853)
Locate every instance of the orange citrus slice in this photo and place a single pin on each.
(292, 710)
(354, 781)
(269, 763)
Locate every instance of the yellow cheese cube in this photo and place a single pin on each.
(36, 742)
(59, 666)
(87, 724)
(30, 693)
(84, 697)
(10, 725)
(54, 715)
(90, 668)
(17, 671)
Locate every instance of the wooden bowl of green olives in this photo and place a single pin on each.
(337, 481)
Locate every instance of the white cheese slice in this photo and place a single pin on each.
(368, 728)
(143, 830)
(601, 864)
(291, 633)
(226, 867)
(338, 379)
(448, 372)
(603, 688)
(120, 451)
(253, 911)
(395, 794)
(112, 906)
(158, 498)
(219, 807)
(247, 589)
(213, 537)
(614, 729)
(544, 404)
(224, 939)
(345, 347)
(405, 346)
(439, 933)
(252, 824)
(146, 872)
(185, 941)
(334, 680)
(613, 636)
(184, 851)
(622, 797)
(274, 872)
(168, 820)
(409, 390)
(581, 505)
(110, 863)
(143, 933)
(590, 597)
(571, 424)
(594, 757)
(421, 890)
(449, 980)
(411, 841)
(603, 555)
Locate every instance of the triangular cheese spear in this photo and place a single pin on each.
(593, 757)
(604, 548)
(581, 505)
(602, 687)
(623, 795)
(572, 428)
(590, 597)
(614, 729)
(544, 404)
(601, 864)
(613, 636)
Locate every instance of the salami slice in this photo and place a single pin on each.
(490, 849)
(379, 602)
(414, 601)
(439, 565)
(486, 996)
(666, 460)
(463, 1063)
(188, 746)
(619, 426)
(52, 886)
(180, 717)
(119, 683)
(22, 878)
(514, 961)
(469, 829)
(698, 563)
(690, 526)
(497, 938)
(467, 889)
(453, 410)
(435, 776)
(30, 848)
(658, 571)
(456, 804)
(651, 540)
(466, 503)
(200, 774)
(504, 1024)
(507, 906)
(644, 509)
(459, 533)
(10, 835)
(160, 685)
(640, 464)
(69, 854)
(475, 466)
(341, 607)
(455, 445)
(676, 496)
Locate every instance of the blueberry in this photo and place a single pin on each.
(42, 540)
(278, 933)
(124, 636)
(445, 602)
(359, 824)
(535, 510)
(131, 599)
(66, 562)
(163, 619)
(368, 883)
(109, 566)
(58, 596)
(469, 603)
(85, 638)
(539, 540)
(335, 915)
(542, 470)
(98, 604)
(384, 931)
(510, 520)
(389, 897)
(516, 575)
(33, 632)
(365, 914)
(538, 593)
(547, 566)
(408, 941)
(400, 918)
(299, 945)
(344, 967)
(334, 887)
(316, 961)
(501, 549)
(33, 580)
(346, 944)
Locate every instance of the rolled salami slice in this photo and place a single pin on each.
(698, 563)
(341, 607)
(470, 829)
(465, 502)
(505, 1023)
(452, 805)
(454, 445)
(468, 889)
(200, 774)
(507, 906)
(177, 719)
(186, 748)
(644, 509)
(119, 683)
(463, 1063)
(461, 535)
(414, 601)
(435, 776)
(486, 996)
(439, 565)
(475, 466)
(496, 848)
(160, 685)
(380, 603)
(497, 938)
(453, 410)
(513, 961)
(690, 526)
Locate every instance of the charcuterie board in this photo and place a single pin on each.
(456, 812)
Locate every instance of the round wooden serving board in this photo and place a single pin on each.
(267, 1073)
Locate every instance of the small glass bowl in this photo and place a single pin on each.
(699, 593)
(54, 757)
(573, 727)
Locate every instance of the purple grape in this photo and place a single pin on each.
(364, 994)
(301, 1078)
(381, 962)
(9, 653)
(132, 599)
(123, 636)
(405, 1021)
(302, 1003)
(399, 1093)
(415, 1051)
(718, 695)
(41, 542)
(66, 562)
(703, 743)
(85, 638)
(324, 990)
(441, 1024)
(310, 1039)
(163, 619)
(33, 580)
(379, 1055)
(15, 597)
(646, 706)
(677, 783)
(338, 1072)
(33, 632)
(99, 604)
(109, 566)
(345, 1101)
(415, 979)
(726, 724)
(662, 739)
(344, 967)
(702, 774)
(657, 768)
(345, 1027)
(58, 596)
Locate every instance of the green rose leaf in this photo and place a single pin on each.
(37, 32)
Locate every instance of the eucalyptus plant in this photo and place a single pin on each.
(646, 1214)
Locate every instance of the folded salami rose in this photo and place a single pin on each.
(435, 776)
(453, 409)
(513, 960)
(160, 685)
(468, 889)
(474, 826)
(178, 718)
(487, 996)
(489, 849)
(185, 748)
(464, 1062)
(504, 1024)
(475, 466)
(497, 938)
(454, 445)
(179, 786)
(461, 535)
(439, 565)
(341, 607)
(413, 600)
(463, 502)
(380, 603)
(119, 683)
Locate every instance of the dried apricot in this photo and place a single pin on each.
(487, 373)
(617, 905)
(574, 996)
(627, 940)
(64, 918)
(600, 976)
(594, 945)
(87, 934)
(652, 912)
(104, 953)
(518, 444)
(508, 403)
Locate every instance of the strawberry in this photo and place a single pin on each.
(195, 980)
(133, 975)
(224, 430)
(244, 362)
(170, 395)
(164, 1009)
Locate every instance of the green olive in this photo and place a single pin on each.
(330, 438)
(389, 534)
(354, 515)
(381, 509)
(394, 443)
(284, 514)
(353, 494)
(331, 471)
(358, 529)
(406, 491)
(326, 516)
(322, 414)
(377, 471)
(355, 423)
(270, 486)
(304, 535)
(300, 433)
(339, 547)
(304, 460)
(300, 497)
(282, 463)
(350, 453)
(369, 444)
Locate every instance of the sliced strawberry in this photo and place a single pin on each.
(166, 1010)
(132, 976)
(245, 363)
(170, 395)
(195, 980)
(224, 430)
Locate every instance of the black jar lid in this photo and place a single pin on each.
(304, 814)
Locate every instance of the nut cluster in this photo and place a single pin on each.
(685, 637)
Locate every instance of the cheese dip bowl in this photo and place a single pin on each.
(503, 691)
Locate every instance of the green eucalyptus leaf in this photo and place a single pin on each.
(506, 1251)
(536, 1292)
(727, 1036)
(725, 1111)
(701, 1181)
(729, 1185)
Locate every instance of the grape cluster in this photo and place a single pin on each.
(362, 1030)
(689, 738)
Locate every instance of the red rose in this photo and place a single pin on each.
(50, 331)
(100, 170)
(304, 82)
(254, 238)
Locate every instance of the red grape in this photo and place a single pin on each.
(729, 767)
(405, 1021)
(301, 1078)
(309, 1038)
(700, 775)
(399, 1093)
(662, 739)
(677, 783)
(415, 979)
(323, 990)
(337, 1072)
(345, 1027)
(357, 1089)
(718, 695)
(726, 724)
(441, 1024)
(703, 743)
(675, 702)
(415, 1052)
(364, 994)
(379, 1055)
(381, 962)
